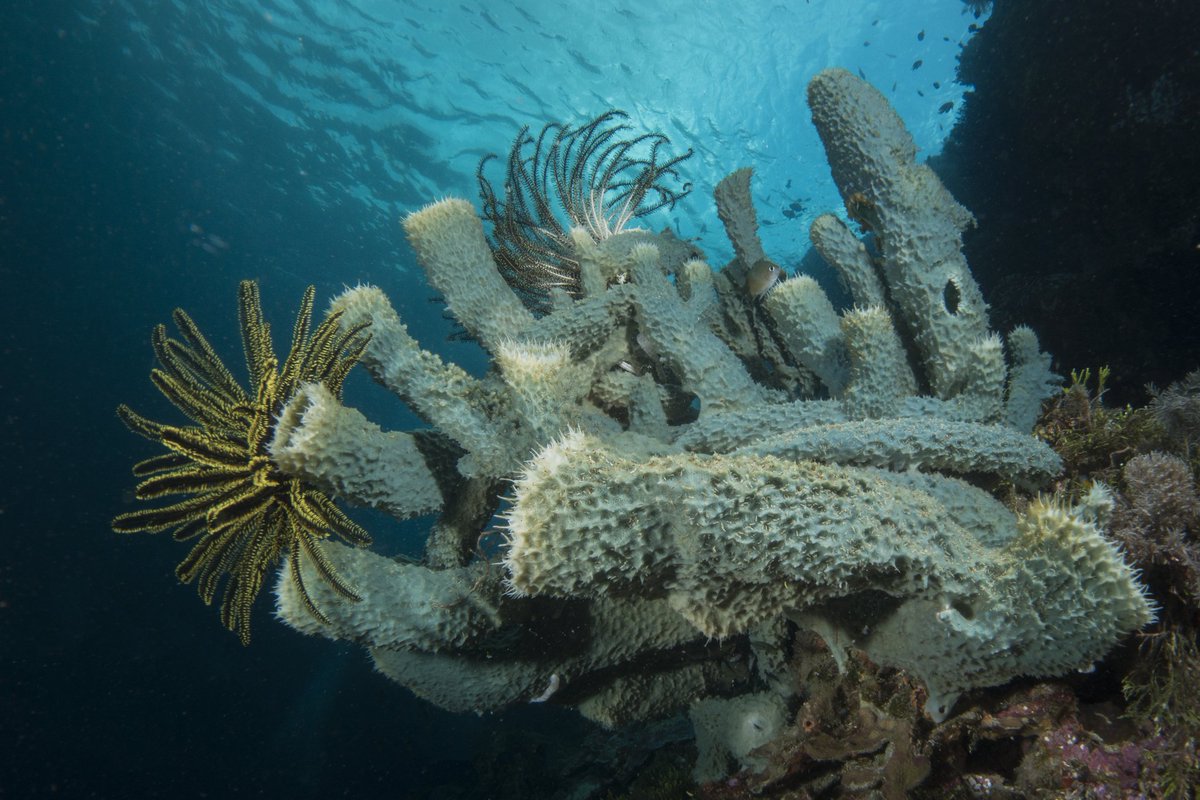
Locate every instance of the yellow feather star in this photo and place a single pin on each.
(244, 513)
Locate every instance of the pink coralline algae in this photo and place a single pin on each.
(1083, 765)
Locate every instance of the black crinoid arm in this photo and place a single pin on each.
(598, 177)
(241, 513)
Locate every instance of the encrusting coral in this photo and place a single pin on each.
(688, 463)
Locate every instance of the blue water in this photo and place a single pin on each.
(157, 152)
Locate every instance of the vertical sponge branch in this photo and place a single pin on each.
(708, 368)
(450, 244)
(736, 210)
(917, 223)
(546, 387)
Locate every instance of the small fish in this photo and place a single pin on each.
(921, 36)
(647, 347)
(922, 94)
(945, 38)
(867, 43)
(972, 27)
(762, 277)
(917, 64)
(937, 84)
(944, 107)
(551, 688)
(862, 74)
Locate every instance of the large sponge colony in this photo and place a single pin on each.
(658, 479)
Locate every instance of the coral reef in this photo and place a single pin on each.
(691, 466)
(1157, 521)
(1136, 458)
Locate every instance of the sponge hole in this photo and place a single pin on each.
(951, 297)
(964, 608)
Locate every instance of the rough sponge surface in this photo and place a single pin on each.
(689, 463)
(737, 540)
(1059, 596)
(919, 225)
(731, 728)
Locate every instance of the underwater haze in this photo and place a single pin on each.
(157, 152)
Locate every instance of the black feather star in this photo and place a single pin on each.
(597, 177)
(243, 513)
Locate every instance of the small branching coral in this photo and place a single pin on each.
(1093, 439)
(1161, 692)
(1178, 409)
(244, 511)
(590, 177)
(1161, 515)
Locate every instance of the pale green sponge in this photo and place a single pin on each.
(662, 474)
(735, 541)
